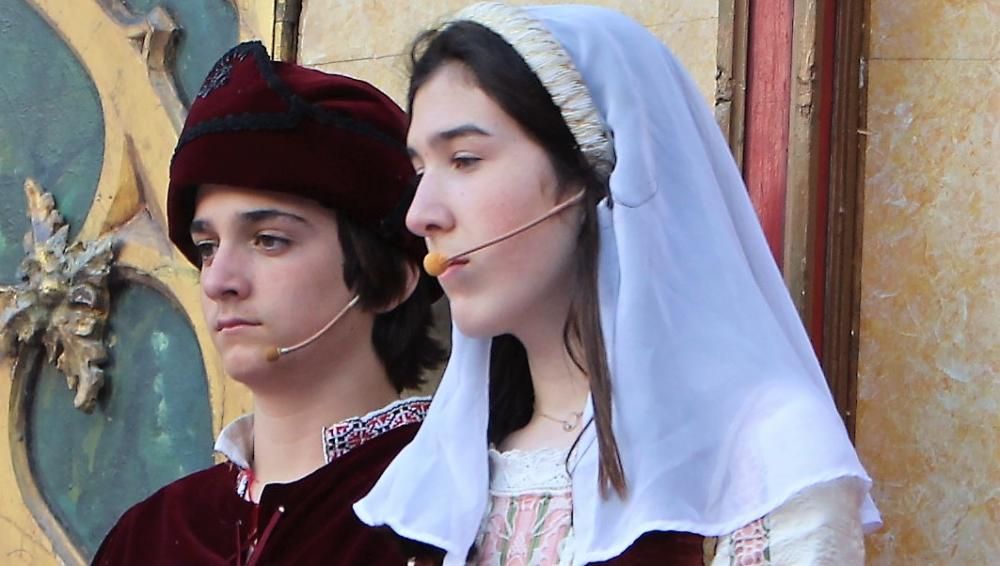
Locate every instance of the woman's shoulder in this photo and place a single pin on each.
(819, 525)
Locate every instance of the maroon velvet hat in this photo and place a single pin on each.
(281, 127)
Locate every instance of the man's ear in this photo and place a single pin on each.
(412, 278)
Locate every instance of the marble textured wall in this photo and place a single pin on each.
(365, 38)
(929, 380)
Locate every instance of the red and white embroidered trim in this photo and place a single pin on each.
(347, 435)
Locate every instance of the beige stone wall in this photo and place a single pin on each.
(929, 383)
(366, 38)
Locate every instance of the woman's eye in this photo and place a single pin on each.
(268, 242)
(463, 161)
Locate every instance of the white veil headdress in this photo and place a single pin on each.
(720, 409)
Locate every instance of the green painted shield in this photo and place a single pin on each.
(51, 127)
(152, 425)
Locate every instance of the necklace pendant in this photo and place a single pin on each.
(567, 425)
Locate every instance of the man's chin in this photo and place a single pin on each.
(246, 365)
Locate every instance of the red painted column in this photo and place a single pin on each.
(765, 160)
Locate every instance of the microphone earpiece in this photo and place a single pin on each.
(435, 263)
(273, 353)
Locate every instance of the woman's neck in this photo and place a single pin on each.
(561, 389)
(560, 386)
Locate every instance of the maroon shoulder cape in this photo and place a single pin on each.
(200, 519)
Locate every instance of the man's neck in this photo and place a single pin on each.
(289, 420)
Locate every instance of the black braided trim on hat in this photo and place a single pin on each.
(298, 108)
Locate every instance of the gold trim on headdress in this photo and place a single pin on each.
(552, 65)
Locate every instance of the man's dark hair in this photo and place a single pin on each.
(378, 271)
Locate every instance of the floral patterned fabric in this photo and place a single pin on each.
(750, 545)
(530, 518)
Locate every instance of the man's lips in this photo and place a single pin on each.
(231, 323)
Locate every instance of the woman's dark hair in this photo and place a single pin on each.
(503, 75)
(378, 272)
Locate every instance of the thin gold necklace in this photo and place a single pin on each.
(568, 425)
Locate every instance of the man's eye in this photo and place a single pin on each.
(205, 250)
(268, 242)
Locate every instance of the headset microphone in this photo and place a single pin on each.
(274, 352)
(436, 263)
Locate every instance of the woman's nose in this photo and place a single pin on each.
(428, 213)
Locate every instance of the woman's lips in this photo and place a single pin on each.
(453, 267)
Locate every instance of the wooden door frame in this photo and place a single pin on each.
(848, 83)
(811, 88)
(285, 36)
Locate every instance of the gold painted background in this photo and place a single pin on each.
(929, 380)
(142, 117)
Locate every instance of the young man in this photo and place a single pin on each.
(288, 188)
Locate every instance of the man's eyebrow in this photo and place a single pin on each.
(261, 214)
(463, 130)
(199, 226)
(250, 217)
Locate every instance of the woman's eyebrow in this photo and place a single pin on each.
(464, 130)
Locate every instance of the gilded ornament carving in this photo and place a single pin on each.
(62, 301)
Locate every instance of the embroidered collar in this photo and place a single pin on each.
(341, 438)
(235, 442)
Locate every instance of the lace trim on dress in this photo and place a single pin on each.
(520, 472)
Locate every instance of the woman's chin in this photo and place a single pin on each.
(477, 326)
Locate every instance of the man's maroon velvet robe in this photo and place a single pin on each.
(200, 519)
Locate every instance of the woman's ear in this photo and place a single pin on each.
(412, 278)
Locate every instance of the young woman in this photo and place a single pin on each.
(629, 374)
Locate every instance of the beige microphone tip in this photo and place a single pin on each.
(435, 264)
(272, 354)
